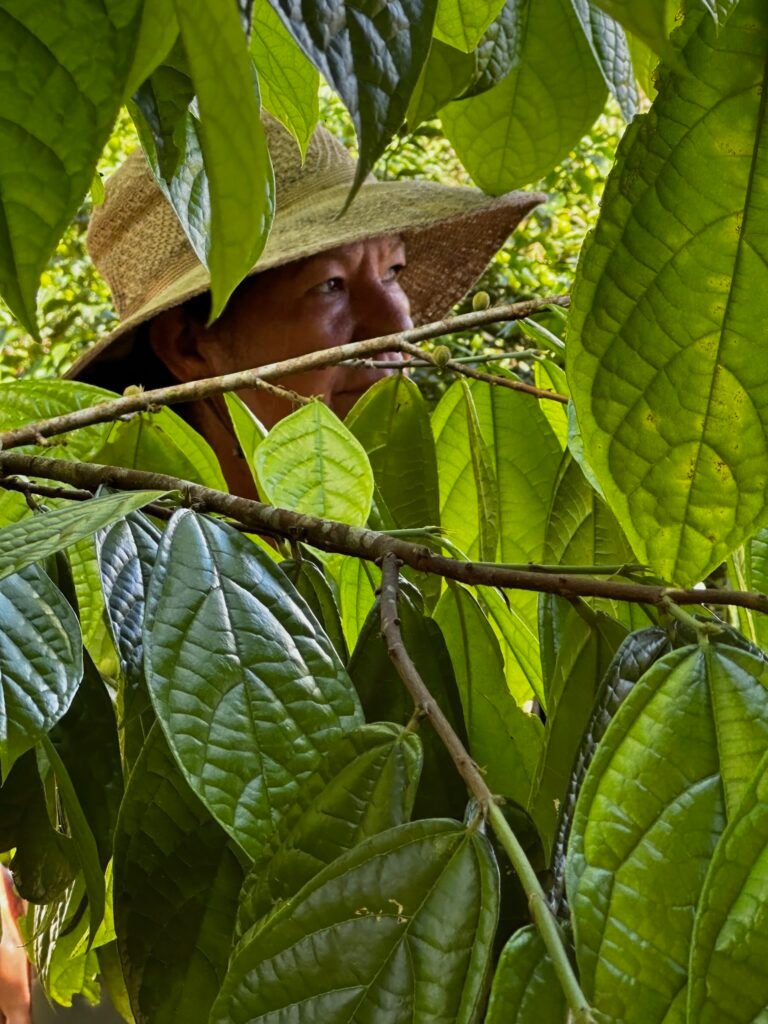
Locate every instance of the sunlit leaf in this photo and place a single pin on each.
(462, 23)
(668, 392)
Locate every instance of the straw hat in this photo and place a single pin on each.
(450, 234)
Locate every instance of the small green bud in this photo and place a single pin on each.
(480, 300)
(441, 355)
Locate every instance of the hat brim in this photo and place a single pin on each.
(451, 233)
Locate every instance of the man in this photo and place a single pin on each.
(403, 253)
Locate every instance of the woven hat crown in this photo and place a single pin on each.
(135, 238)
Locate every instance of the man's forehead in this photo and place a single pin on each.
(385, 243)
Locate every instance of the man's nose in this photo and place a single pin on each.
(381, 310)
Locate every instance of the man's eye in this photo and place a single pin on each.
(333, 284)
(395, 271)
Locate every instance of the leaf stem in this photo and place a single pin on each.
(475, 783)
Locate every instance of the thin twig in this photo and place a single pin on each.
(419, 363)
(371, 545)
(404, 341)
(428, 707)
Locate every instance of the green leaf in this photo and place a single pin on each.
(447, 74)
(371, 55)
(525, 458)
(526, 989)
(233, 143)
(157, 34)
(668, 394)
(316, 591)
(44, 861)
(248, 689)
(176, 883)
(249, 430)
(391, 422)
(513, 617)
(671, 769)
(56, 114)
(357, 581)
(462, 23)
(756, 578)
(579, 649)
(516, 132)
(36, 537)
(651, 21)
(309, 462)
(728, 983)
(41, 660)
(86, 741)
(83, 840)
(400, 927)
(385, 698)
(127, 553)
(366, 785)
(500, 48)
(289, 82)
(504, 740)
(611, 51)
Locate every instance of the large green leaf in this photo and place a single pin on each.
(526, 989)
(504, 740)
(651, 21)
(36, 537)
(357, 582)
(516, 132)
(513, 618)
(669, 394)
(611, 50)
(176, 883)
(366, 785)
(398, 929)
(127, 553)
(462, 23)
(391, 422)
(56, 112)
(730, 939)
(671, 769)
(385, 698)
(157, 34)
(577, 647)
(234, 147)
(525, 456)
(41, 660)
(248, 689)
(371, 54)
(316, 591)
(309, 462)
(289, 82)
(447, 74)
(500, 48)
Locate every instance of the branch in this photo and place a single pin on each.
(475, 783)
(370, 545)
(147, 401)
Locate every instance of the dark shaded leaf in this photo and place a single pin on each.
(366, 785)
(176, 882)
(316, 591)
(385, 698)
(371, 54)
(611, 51)
(41, 660)
(248, 689)
(500, 48)
(526, 989)
(400, 928)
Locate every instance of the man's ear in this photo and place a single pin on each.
(176, 339)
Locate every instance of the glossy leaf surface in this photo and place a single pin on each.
(668, 393)
(728, 983)
(309, 462)
(41, 660)
(517, 131)
(366, 785)
(371, 54)
(176, 883)
(247, 687)
(400, 926)
(628, 871)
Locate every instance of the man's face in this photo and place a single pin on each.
(342, 295)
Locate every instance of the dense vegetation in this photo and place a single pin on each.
(235, 782)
